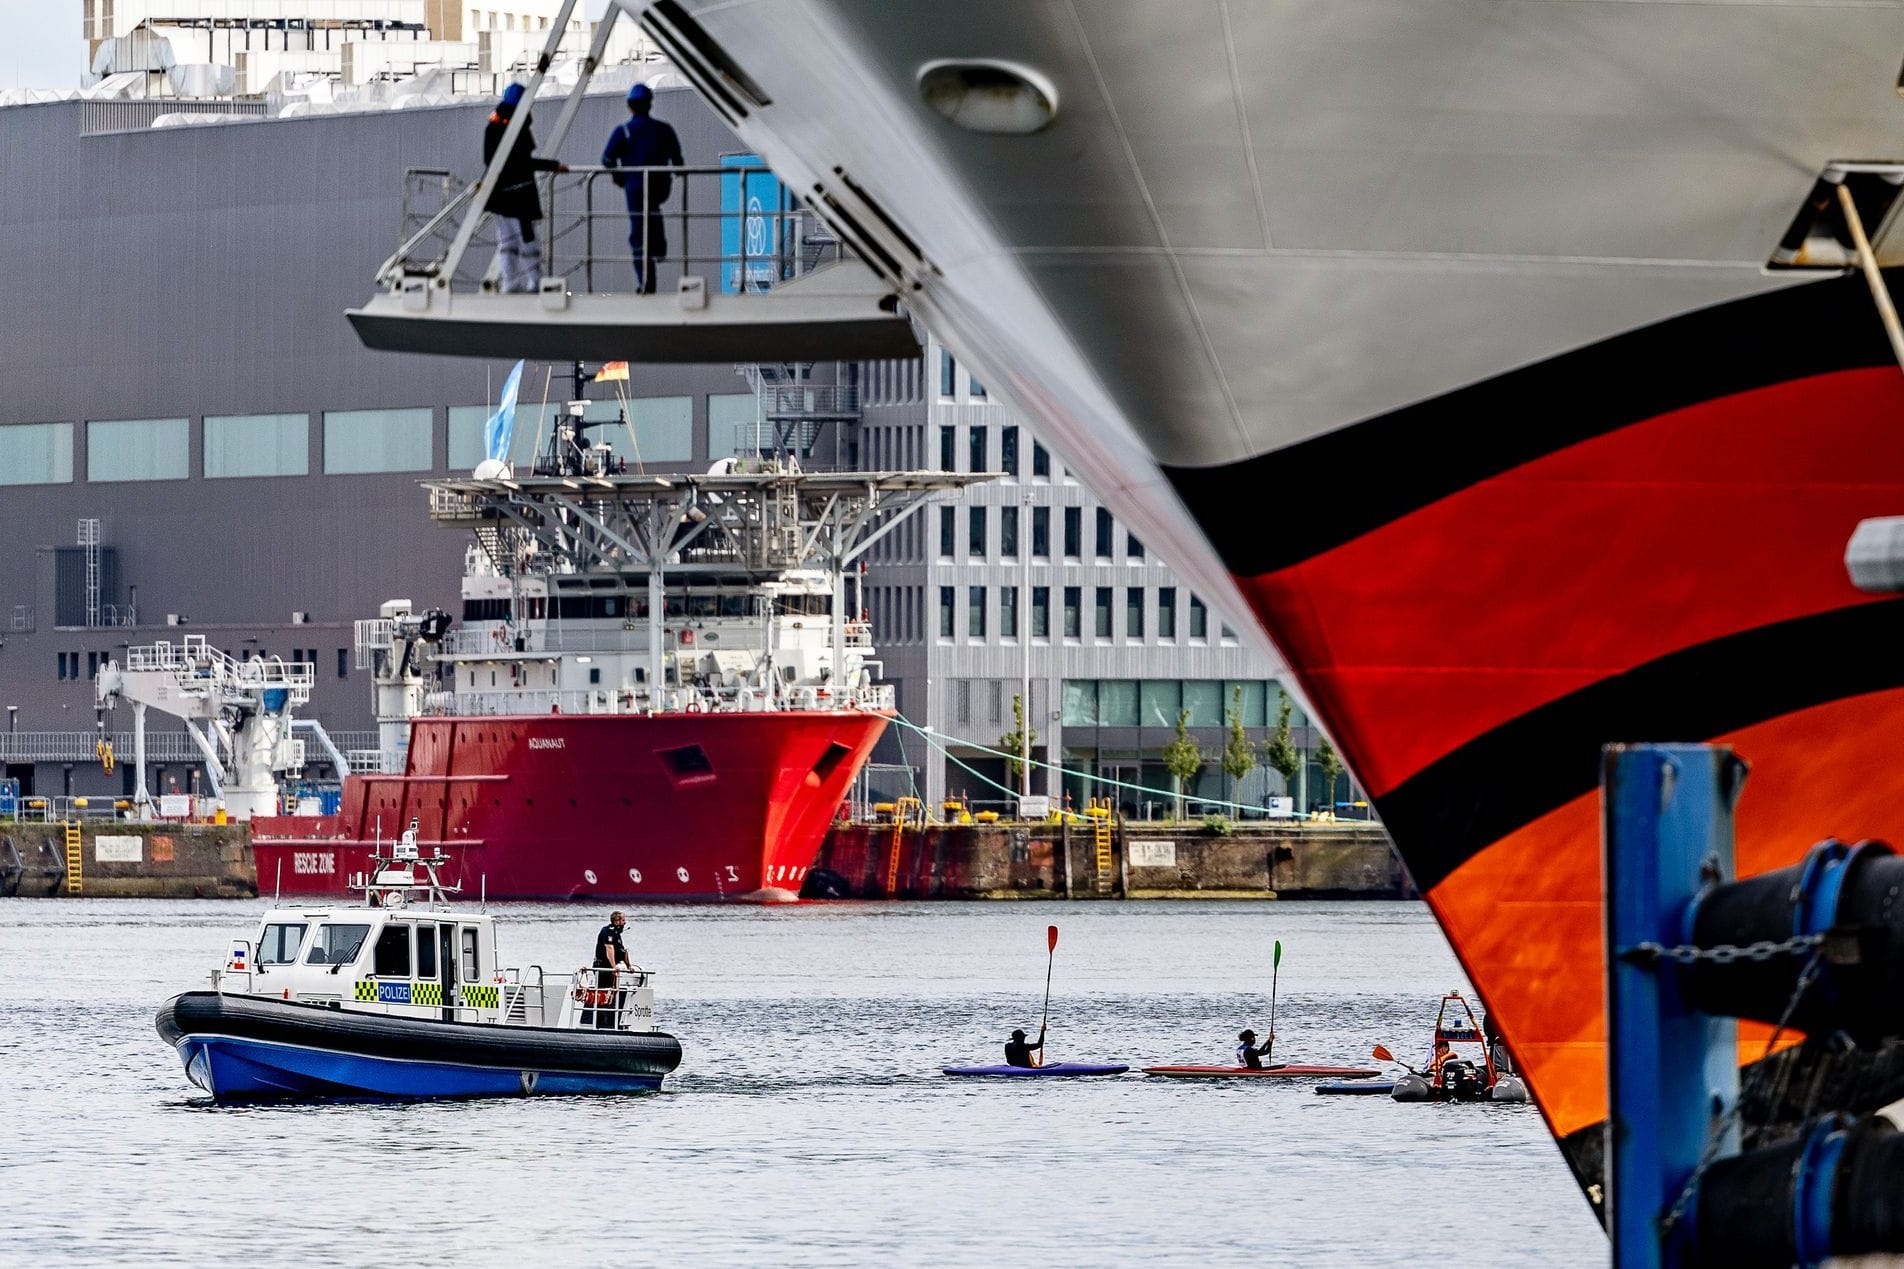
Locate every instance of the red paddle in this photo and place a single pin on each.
(1051, 956)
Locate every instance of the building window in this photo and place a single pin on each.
(1133, 549)
(948, 373)
(975, 612)
(1008, 612)
(36, 454)
(948, 449)
(1101, 626)
(343, 662)
(376, 440)
(664, 429)
(1041, 612)
(734, 425)
(948, 535)
(1117, 703)
(1199, 619)
(1008, 532)
(975, 533)
(945, 612)
(1073, 532)
(1250, 701)
(139, 449)
(1104, 534)
(973, 387)
(1158, 703)
(1166, 612)
(258, 445)
(1073, 616)
(1008, 451)
(1040, 461)
(1204, 699)
(1041, 533)
(1229, 635)
(1080, 703)
(962, 700)
(975, 440)
(1134, 612)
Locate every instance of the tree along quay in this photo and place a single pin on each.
(1074, 861)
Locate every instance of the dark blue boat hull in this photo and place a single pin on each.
(250, 1070)
(247, 1048)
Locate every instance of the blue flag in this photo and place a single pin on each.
(502, 424)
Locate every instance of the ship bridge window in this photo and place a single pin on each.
(392, 957)
(733, 605)
(485, 610)
(471, 970)
(581, 607)
(280, 943)
(688, 764)
(337, 944)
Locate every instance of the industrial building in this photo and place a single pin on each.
(194, 441)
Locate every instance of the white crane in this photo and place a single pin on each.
(239, 713)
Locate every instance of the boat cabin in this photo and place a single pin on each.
(406, 952)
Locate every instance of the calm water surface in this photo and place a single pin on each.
(808, 1123)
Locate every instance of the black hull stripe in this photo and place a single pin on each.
(1417, 455)
(1464, 802)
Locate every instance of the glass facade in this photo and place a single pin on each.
(1158, 702)
(1008, 612)
(36, 454)
(1073, 531)
(1041, 612)
(945, 612)
(1199, 619)
(1008, 532)
(257, 445)
(975, 442)
(377, 440)
(1041, 532)
(1134, 612)
(139, 449)
(664, 430)
(948, 373)
(1008, 450)
(948, 449)
(1166, 612)
(1204, 699)
(1101, 627)
(734, 425)
(1073, 614)
(1104, 534)
(975, 533)
(1040, 461)
(948, 532)
(975, 612)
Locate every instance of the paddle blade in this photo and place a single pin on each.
(1383, 1055)
(1276, 961)
(1051, 939)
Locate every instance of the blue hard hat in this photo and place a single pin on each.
(640, 92)
(512, 94)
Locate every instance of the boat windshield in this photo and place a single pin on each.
(280, 942)
(337, 944)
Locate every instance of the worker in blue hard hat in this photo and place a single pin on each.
(644, 143)
(514, 201)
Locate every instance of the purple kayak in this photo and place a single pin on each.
(1055, 1069)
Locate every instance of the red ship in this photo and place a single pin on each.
(655, 692)
(674, 806)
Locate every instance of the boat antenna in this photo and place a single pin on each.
(483, 884)
(277, 888)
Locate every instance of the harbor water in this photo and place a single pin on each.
(809, 1123)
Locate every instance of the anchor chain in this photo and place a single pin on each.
(1725, 954)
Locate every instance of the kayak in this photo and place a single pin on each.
(1056, 1068)
(1283, 1071)
(1362, 1088)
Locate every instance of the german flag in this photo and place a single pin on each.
(611, 370)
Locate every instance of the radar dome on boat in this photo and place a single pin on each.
(491, 469)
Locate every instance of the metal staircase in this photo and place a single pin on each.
(903, 812)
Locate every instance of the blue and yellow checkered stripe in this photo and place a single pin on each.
(371, 991)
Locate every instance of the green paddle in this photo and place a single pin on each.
(1275, 969)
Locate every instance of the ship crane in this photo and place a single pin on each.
(238, 713)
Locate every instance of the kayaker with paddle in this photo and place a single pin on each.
(1019, 1053)
(1247, 1052)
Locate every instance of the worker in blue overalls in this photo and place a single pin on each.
(644, 142)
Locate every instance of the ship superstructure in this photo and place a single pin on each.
(660, 686)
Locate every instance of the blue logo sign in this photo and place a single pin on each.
(394, 993)
(754, 207)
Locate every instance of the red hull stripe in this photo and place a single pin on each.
(1333, 488)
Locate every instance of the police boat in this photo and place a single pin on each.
(404, 997)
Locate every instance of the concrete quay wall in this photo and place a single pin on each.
(128, 861)
(984, 861)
